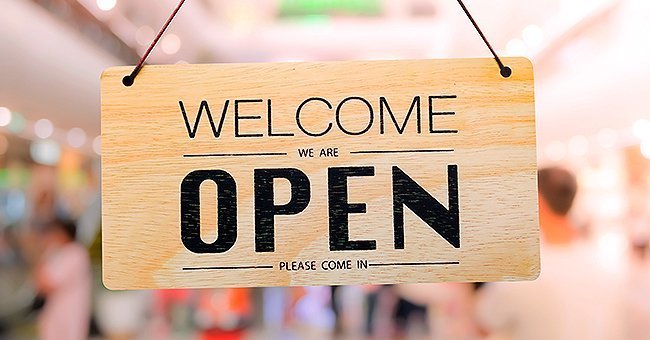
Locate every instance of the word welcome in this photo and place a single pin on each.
(360, 108)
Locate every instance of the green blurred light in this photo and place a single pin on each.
(4, 178)
(14, 178)
(17, 124)
(330, 7)
(315, 19)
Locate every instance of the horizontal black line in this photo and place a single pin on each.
(256, 154)
(443, 113)
(444, 131)
(228, 268)
(413, 264)
(402, 151)
(445, 96)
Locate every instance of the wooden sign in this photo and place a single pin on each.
(319, 174)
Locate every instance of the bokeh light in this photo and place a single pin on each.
(45, 151)
(5, 116)
(76, 137)
(106, 5)
(43, 128)
(170, 43)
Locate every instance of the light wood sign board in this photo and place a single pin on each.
(319, 174)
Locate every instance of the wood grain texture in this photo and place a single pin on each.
(488, 122)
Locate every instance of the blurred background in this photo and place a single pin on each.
(593, 118)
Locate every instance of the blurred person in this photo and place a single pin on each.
(280, 308)
(637, 303)
(44, 207)
(409, 318)
(336, 310)
(371, 293)
(62, 276)
(450, 307)
(388, 315)
(274, 304)
(38, 216)
(574, 296)
(381, 302)
(346, 304)
(314, 319)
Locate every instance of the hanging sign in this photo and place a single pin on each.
(336, 173)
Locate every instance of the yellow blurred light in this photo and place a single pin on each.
(70, 160)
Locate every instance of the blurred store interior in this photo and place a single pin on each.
(593, 118)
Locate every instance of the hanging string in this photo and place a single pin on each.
(504, 70)
(129, 79)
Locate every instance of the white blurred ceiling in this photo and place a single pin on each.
(591, 65)
(47, 70)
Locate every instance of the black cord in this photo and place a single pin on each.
(504, 70)
(128, 80)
